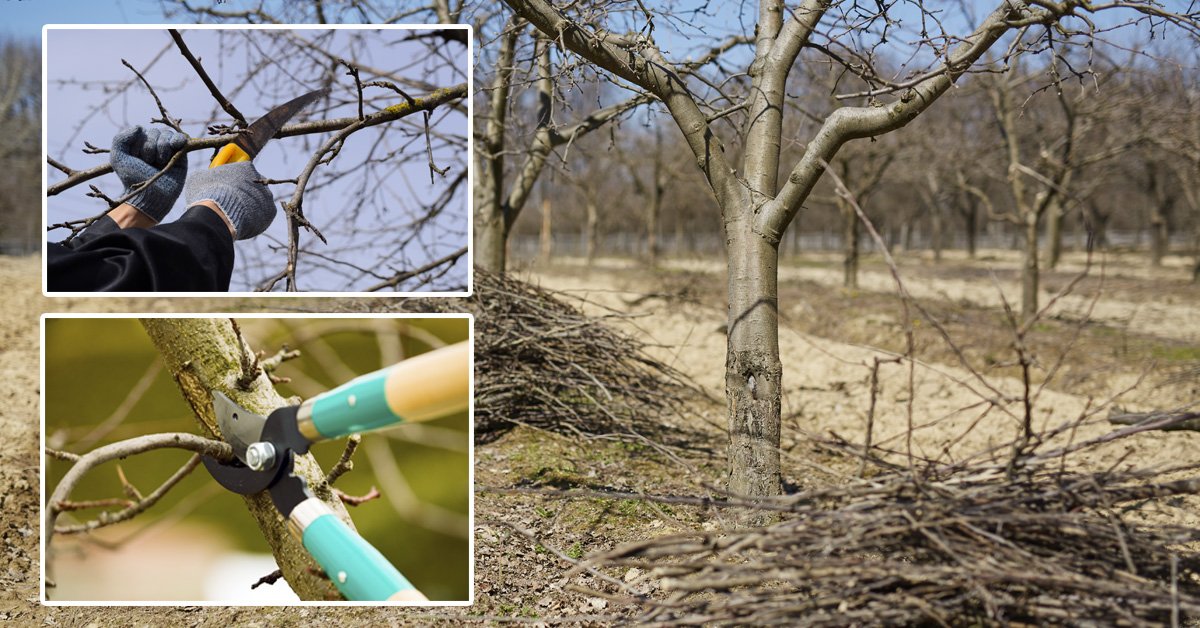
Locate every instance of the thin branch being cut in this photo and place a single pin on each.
(212, 87)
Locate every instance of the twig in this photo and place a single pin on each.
(166, 117)
(358, 85)
(62, 455)
(351, 500)
(212, 87)
(429, 151)
(123, 449)
(131, 511)
(270, 578)
(59, 166)
(344, 463)
(247, 359)
(69, 506)
(399, 278)
(866, 454)
(1165, 420)
(128, 488)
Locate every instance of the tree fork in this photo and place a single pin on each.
(204, 356)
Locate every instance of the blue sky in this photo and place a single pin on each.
(24, 18)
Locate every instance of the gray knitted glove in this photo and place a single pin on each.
(140, 153)
(236, 189)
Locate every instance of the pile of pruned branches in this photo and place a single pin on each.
(987, 545)
(541, 361)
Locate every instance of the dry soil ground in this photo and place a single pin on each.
(1126, 336)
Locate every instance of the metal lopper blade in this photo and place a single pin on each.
(263, 129)
(239, 426)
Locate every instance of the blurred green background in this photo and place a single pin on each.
(104, 383)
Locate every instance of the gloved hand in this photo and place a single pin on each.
(236, 189)
(138, 154)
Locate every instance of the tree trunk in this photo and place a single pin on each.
(545, 238)
(678, 242)
(491, 232)
(1159, 235)
(203, 356)
(1196, 261)
(971, 219)
(936, 230)
(593, 220)
(653, 211)
(1029, 270)
(1054, 224)
(752, 367)
(491, 239)
(849, 245)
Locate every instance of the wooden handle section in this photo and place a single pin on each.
(229, 153)
(431, 385)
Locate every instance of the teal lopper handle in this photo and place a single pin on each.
(356, 568)
(359, 405)
(425, 387)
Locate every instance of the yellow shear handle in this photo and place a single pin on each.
(229, 153)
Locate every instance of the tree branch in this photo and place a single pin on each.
(124, 449)
(212, 87)
(848, 123)
(637, 61)
(429, 102)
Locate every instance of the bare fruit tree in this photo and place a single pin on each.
(757, 204)
(20, 115)
(502, 129)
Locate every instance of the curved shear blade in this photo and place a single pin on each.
(263, 129)
(239, 426)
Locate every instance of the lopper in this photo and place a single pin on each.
(421, 388)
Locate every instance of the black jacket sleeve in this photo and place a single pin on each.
(194, 253)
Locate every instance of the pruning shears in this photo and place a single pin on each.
(250, 142)
(421, 388)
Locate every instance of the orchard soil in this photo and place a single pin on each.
(1127, 337)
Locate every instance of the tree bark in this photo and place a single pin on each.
(546, 236)
(936, 230)
(970, 220)
(490, 220)
(654, 209)
(1054, 224)
(753, 371)
(203, 355)
(491, 238)
(592, 229)
(1159, 235)
(1162, 200)
(850, 238)
(1029, 268)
